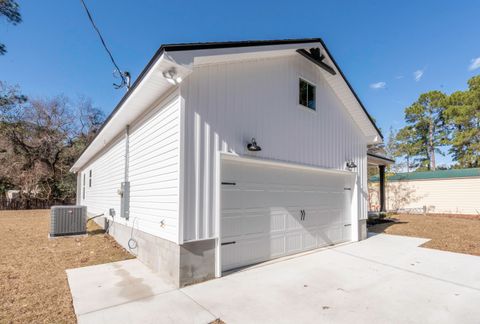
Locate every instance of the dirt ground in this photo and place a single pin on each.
(447, 232)
(33, 282)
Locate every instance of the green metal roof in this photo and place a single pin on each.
(439, 174)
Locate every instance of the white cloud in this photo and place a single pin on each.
(474, 64)
(378, 85)
(398, 77)
(418, 74)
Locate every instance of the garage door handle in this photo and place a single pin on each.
(347, 225)
(302, 214)
(228, 243)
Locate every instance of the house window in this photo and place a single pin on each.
(90, 179)
(83, 187)
(307, 94)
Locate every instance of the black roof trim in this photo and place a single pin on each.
(316, 61)
(216, 45)
(351, 88)
(381, 157)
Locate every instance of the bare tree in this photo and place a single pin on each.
(40, 141)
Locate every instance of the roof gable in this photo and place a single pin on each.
(151, 84)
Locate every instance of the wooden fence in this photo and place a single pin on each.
(32, 203)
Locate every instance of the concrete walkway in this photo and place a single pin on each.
(385, 279)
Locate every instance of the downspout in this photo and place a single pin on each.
(125, 186)
(127, 152)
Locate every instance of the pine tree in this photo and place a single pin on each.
(425, 132)
(463, 119)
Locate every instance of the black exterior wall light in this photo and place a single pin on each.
(351, 165)
(253, 146)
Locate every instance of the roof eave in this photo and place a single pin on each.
(209, 46)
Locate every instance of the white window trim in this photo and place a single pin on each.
(298, 94)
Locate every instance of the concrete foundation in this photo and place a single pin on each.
(197, 262)
(362, 229)
(185, 264)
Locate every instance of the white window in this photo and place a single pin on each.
(306, 95)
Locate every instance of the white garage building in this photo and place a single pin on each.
(222, 155)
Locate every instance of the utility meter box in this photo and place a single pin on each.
(125, 200)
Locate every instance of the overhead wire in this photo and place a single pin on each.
(125, 76)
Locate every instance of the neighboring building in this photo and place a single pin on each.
(455, 191)
(191, 190)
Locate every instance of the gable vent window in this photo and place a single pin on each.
(90, 179)
(307, 94)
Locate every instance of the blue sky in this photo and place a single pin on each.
(379, 45)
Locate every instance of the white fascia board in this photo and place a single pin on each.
(152, 87)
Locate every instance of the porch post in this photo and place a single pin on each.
(382, 188)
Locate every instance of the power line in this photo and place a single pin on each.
(124, 75)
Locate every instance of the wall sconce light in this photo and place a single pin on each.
(172, 77)
(351, 165)
(252, 146)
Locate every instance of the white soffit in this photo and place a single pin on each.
(146, 94)
(188, 58)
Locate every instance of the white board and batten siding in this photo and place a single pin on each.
(154, 172)
(228, 104)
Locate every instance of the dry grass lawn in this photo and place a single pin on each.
(33, 282)
(447, 232)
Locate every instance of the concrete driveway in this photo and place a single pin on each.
(384, 279)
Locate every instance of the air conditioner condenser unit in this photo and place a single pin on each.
(68, 220)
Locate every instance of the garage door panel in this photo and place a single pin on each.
(251, 198)
(263, 211)
(252, 250)
(321, 217)
(335, 234)
(245, 222)
(231, 198)
(278, 215)
(253, 221)
(310, 239)
(293, 242)
(292, 221)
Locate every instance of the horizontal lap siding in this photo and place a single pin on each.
(154, 171)
(154, 166)
(108, 171)
(456, 196)
(228, 104)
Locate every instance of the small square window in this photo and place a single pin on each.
(307, 94)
